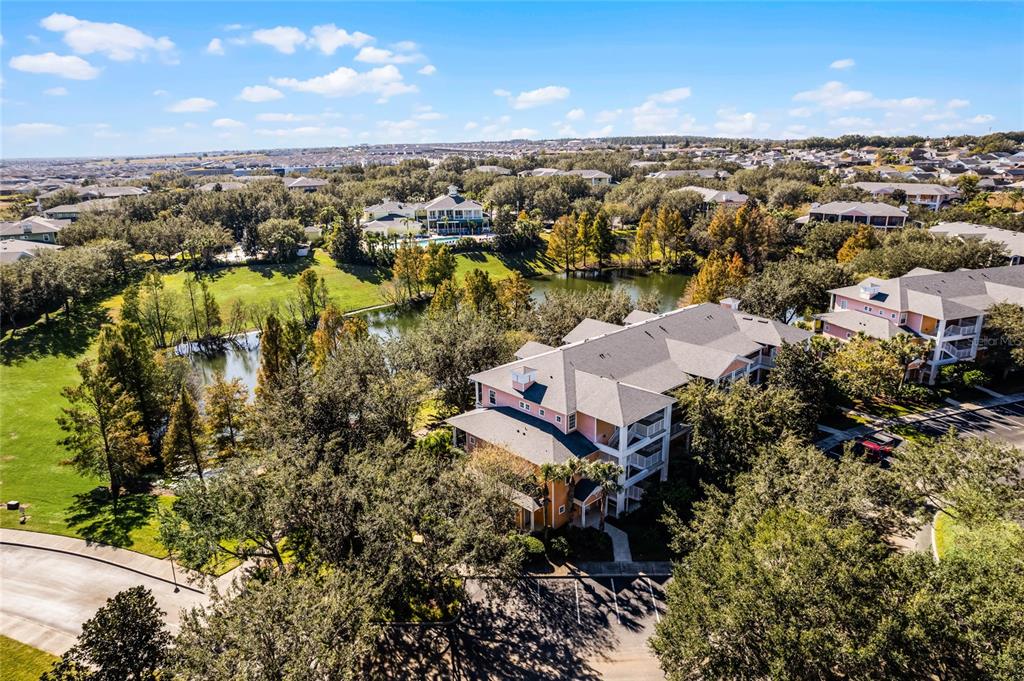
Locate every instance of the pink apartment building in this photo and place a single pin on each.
(947, 308)
(603, 394)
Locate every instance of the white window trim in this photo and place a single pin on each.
(541, 411)
(492, 397)
(524, 406)
(558, 419)
(561, 510)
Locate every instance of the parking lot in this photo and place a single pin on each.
(1004, 423)
(543, 628)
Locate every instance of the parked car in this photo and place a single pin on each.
(876, 446)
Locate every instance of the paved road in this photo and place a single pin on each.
(1004, 423)
(45, 596)
(547, 628)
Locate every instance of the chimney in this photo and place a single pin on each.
(730, 303)
(453, 190)
(523, 378)
(869, 291)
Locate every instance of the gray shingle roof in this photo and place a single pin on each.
(857, 321)
(868, 208)
(536, 441)
(589, 328)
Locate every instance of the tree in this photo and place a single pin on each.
(786, 596)
(863, 239)
(312, 296)
(824, 239)
(607, 475)
(127, 359)
(280, 238)
(604, 240)
(669, 232)
(514, 293)
(976, 479)
(104, 429)
(552, 202)
(158, 309)
(563, 244)
(865, 369)
(478, 291)
(730, 425)
(787, 289)
(643, 242)
(226, 405)
(1002, 336)
(439, 265)
(803, 369)
(968, 186)
(206, 319)
(718, 278)
(126, 640)
(586, 236)
(185, 445)
(407, 271)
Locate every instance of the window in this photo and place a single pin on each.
(558, 419)
(541, 412)
(472, 440)
(572, 421)
(479, 399)
(524, 406)
(561, 510)
(842, 304)
(491, 397)
(867, 308)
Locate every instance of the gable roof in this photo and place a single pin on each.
(857, 321)
(589, 328)
(868, 208)
(537, 441)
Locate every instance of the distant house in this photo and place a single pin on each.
(541, 172)
(74, 210)
(1013, 241)
(706, 173)
(880, 215)
(304, 184)
(455, 214)
(394, 225)
(933, 196)
(716, 197)
(411, 210)
(13, 250)
(946, 308)
(595, 178)
(221, 186)
(96, 191)
(494, 170)
(35, 228)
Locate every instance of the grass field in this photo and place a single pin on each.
(19, 662)
(951, 534)
(41, 360)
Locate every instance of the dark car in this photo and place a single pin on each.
(876, 446)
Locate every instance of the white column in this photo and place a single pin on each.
(978, 323)
(620, 499)
(940, 330)
(666, 436)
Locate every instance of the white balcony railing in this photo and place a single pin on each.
(959, 353)
(644, 462)
(960, 330)
(646, 430)
(635, 493)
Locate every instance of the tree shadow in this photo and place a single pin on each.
(64, 335)
(531, 262)
(367, 273)
(288, 270)
(93, 517)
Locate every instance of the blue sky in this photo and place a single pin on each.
(131, 78)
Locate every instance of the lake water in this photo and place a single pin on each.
(242, 361)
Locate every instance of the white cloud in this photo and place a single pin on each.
(56, 91)
(428, 70)
(981, 118)
(259, 93)
(377, 55)
(795, 131)
(405, 46)
(383, 81)
(801, 112)
(564, 129)
(228, 123)
(841, 64)
(429, 116)
(160, 93)
(116, 41)
(399, 130)
(65, 66)
(284, 39)
(215, 47)
(958, 103)
(669, 96)
(304, 131)
(575, 114)
(472, 125)
(328, 38)
(285, 117)
(234, 27)
(601, 132)
(522, 132)
(192, 105)
(165, 130)
(734, 124)
(35, 129)
(608, 115)
(534, 98)
(834, 95)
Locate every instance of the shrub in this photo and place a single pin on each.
(533, 546)
(558, 549)
(973, 378)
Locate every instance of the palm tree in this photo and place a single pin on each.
(549, 472)
(606, 475)
(570, 469)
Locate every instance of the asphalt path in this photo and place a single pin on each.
(1004, 423)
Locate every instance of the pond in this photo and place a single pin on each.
(242, 360)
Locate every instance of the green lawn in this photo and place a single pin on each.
(41, 360)
(949, 533)
(19, 662)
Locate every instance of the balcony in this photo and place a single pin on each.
(635, 493)
(958, 352)
(960, 330)
(648, 457)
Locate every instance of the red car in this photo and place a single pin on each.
(876, 446)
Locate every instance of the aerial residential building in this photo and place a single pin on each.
(1013, 241)
(933, 196)
(595, 178)
(706, 173)
(13, 250)
(604, 394)
(35, 228)
(880, 215)
(541, 172)
(947, 308)
(716, 197)
(74, 210)
(304, 184)
(455, 214)
(494, 170)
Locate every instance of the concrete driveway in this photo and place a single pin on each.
(46, 595)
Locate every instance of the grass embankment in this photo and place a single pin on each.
(40, 361)
(951, 534)
(21, 662)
